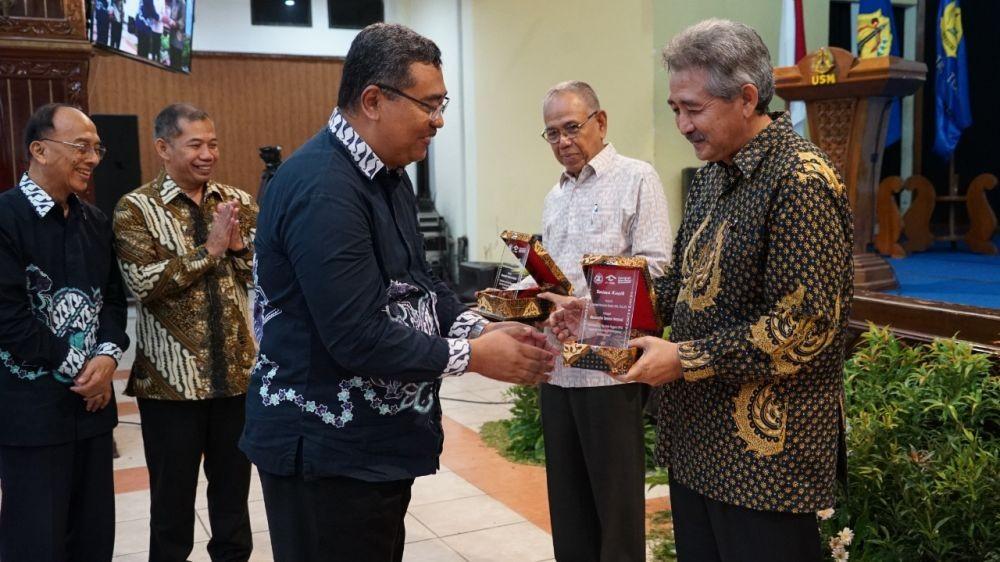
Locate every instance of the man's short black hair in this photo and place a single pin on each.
(40, 124)
(382, 54)
(167, 123)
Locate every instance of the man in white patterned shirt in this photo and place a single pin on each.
(609, 204)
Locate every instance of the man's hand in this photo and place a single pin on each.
(235, 236)
(558, 300)
(659, 363)
(94, 381)
(220, 233)
(98, 402)
(516, 354)
(565, 321)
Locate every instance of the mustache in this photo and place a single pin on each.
(695, 137)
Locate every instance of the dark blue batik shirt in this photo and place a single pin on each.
(355, 331)
(61, 303)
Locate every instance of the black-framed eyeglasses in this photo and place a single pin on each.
(553, 135)
(84, 149)
(434, 112)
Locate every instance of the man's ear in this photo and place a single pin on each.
(38, 151)
(162, 149)
(602, 122)
(749, 96)
(371, 102)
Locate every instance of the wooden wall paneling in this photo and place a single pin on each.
(254, 100)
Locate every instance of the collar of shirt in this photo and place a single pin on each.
(367, 161)
(169, 189)
(40, 200)
(750, 156)
(597, 165)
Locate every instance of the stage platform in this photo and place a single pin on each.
(953, 276)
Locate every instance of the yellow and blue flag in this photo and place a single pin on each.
(877, 38)
(951, 87)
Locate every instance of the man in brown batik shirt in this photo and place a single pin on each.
(184, 245)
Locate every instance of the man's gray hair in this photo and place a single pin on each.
(581, 89)
(167, 125)
(732, 54)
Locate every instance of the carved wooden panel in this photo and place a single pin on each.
(29, 80)
(46, 19)
(833, 120)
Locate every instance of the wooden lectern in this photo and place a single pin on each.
(847, 106)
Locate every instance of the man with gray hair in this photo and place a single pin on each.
(356, 332)
(750, 417)
(610, 204)
(184, 242)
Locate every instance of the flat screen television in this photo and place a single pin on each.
(157, 32)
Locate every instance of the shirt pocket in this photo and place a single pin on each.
(603, 228)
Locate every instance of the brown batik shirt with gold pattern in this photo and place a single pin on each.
(762, 281)
(192, 325)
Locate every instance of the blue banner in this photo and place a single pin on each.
(877, 38)
(951, 87)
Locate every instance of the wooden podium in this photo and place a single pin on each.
(847, 107)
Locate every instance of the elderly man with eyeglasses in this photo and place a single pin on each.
(62, 332)
(609, 204)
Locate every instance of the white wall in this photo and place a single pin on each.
(224, 25)
(440, 20)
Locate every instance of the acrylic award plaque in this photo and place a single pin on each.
(509, 298)
(623, 306)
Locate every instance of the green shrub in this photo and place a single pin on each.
(924, 452)
(525, 427)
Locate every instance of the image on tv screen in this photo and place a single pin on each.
(155, 31)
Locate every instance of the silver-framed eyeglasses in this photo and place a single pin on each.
(434, 112)
(83, 149)
(553, 135)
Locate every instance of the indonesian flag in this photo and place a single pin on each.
(791, 49)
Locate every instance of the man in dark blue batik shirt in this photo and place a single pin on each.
(62, 332)
(355, 333)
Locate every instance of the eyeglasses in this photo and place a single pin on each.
(84, 149)
(434, 112)
(553, 135)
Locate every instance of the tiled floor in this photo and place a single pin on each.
(479, 507)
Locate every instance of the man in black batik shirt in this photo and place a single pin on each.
(355, 332)
(62, 333)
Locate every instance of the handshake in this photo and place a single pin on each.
(518, 353)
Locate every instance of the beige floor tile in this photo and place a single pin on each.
(134, 557)
(128, 439)
(494, 394)
(520, 541)
(416, 531)
(258, 516)
(132, 505)
(464, 515)
(471, 382)
(442, 486)
(132, 536)
(261, 548)
(474, 416)
(433, 550)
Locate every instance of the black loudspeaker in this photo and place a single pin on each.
(119, 172)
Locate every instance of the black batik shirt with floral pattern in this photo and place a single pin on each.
(759, 291)
(355, 330)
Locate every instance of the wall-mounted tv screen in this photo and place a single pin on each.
(154, 31)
